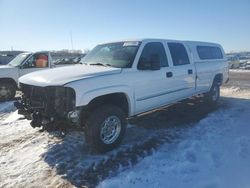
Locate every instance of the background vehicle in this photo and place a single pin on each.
(22, 64)
(120, 80)
(233, 62)
(68, 61)
(247, 65)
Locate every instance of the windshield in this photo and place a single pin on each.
(119, 54)
(18, 59)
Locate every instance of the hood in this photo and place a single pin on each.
(6, 67)
(64, 75)
(7, 71)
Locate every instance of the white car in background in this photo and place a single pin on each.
(23, 64)
(247, 65)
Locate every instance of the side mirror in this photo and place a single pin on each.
(143, 64)
(153, 64)
(150, 63)
(20, 66)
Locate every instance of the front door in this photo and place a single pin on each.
(36, 62)
(152, 87)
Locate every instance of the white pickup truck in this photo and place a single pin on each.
(120, 80)
(23, 64)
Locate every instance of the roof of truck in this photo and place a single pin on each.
(168, 40)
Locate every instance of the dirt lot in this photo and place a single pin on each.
(239, 79)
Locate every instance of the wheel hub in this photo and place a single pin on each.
(4, 91)
(215, 93)
(110, 129)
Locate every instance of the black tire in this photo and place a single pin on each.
(96, 121)
(213, 95)
(7, 91)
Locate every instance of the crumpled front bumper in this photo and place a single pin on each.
(45, 106)
(21, 109)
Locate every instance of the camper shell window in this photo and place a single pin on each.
(209, 52)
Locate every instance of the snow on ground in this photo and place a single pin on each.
(5, 108)
(31, 158)
(214, 153)
(21, 147)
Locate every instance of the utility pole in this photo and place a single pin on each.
(71, 39)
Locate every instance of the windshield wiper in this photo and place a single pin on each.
(101, 64)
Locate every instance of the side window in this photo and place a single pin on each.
(29, 63)
(209, 52)
(37, 61)
(152, 51)
(178, 53)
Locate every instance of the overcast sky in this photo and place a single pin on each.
(46, 24)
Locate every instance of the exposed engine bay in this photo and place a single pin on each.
(47, 105)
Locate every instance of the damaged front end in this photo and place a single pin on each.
(47, 106)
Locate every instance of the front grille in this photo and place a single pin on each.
(51, 99)
(25, 89)
(34, 96)
(32, 91)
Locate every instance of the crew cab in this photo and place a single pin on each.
(120, 80)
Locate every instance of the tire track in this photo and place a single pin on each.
(161, 127)
(123, 160)
(11, 144)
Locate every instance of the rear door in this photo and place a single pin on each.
(183, 70)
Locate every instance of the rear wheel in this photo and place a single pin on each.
(213, 95)
(7, 91)
(105, 128)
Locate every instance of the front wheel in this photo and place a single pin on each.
(105, 128)
(7, 91)
(213, 95)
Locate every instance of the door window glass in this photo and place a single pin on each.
(152, 51)
(178, 53)
(37, 61)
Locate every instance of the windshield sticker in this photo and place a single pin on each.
(133, 43)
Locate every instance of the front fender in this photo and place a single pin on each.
(9, 73)
(83, 98)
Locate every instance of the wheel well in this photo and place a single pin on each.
(117, 99)
(9, 80)
(218, 79)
